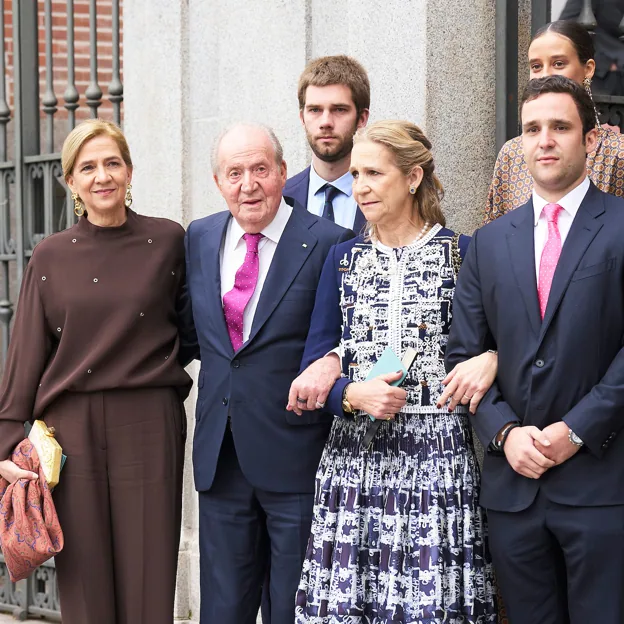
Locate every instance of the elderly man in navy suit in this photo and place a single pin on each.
(252, 273)
(334, 98)
(545, 285)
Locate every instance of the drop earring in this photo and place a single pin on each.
(128, 200)
(78, 207)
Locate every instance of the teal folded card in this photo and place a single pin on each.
(389, 362)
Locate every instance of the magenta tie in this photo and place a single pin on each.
(550, 255)
(235, 301)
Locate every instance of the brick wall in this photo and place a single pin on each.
(81, 52)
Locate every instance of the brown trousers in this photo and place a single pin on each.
(119, 503)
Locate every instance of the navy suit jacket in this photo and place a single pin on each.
(569, 367)
(277, 450)
(296, 192)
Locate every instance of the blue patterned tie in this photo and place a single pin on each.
(328, 206)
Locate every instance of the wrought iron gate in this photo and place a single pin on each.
(34, 201)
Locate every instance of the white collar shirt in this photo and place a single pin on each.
(344, 203)
(570, 204)
(233, 252)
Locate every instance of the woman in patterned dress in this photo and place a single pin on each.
(397, 533)
(562, 47)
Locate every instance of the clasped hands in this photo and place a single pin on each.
(531, 451)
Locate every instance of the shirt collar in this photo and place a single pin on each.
(570, 202)
(273, 231)
(344, 183)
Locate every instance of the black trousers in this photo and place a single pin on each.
(241, 530)
(557, 564)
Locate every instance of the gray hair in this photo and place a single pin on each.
(277, 146)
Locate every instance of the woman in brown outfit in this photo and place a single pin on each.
(95, 353)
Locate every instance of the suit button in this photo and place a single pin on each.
(236, 364)
(225, 401)
(539, 363)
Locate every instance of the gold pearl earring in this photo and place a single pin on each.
(78, 207)
(128, 201)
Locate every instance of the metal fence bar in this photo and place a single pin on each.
(506, 71)
(18, 140)
(49, 100)
(6, 307)
(115, 88)
(541, 13)
(93, 92)
(587, 17)
(5, 111)
(70, 96)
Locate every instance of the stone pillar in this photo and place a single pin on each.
(156, 123)
(192, 67)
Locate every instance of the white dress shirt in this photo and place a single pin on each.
(570, 204)
(344, 204)
(233, 255)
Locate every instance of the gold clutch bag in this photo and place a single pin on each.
(48, 449)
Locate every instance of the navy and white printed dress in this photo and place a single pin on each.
(397, 532)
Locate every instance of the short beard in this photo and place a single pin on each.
(343, 149)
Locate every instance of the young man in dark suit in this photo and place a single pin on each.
(334, 98)
(544, 285)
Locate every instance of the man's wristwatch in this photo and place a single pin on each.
(346, 406)
(574, 439)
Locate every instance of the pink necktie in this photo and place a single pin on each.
(550, 255)
(235, 301)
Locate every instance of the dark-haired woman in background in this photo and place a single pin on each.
(566, 48)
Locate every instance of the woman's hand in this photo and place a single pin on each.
(309, 391)
(469, 381)
(11, 472)
(377, 397)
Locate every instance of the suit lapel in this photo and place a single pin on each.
(293, 249)
(521, 243)
(584, 229)
(299, 192)
(210, 251)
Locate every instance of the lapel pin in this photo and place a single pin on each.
(303, 245)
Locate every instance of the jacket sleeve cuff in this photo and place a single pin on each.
(334, 400)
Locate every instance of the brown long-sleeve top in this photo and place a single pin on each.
(98, 309)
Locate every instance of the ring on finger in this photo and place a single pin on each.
(299, 400)
(320, 405)
(467, 397)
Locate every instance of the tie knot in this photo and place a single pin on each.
(552, 212)
(252, 241)
(330, 192)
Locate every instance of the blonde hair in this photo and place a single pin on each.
(86, 131)
(331, 70)
(410, 148)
